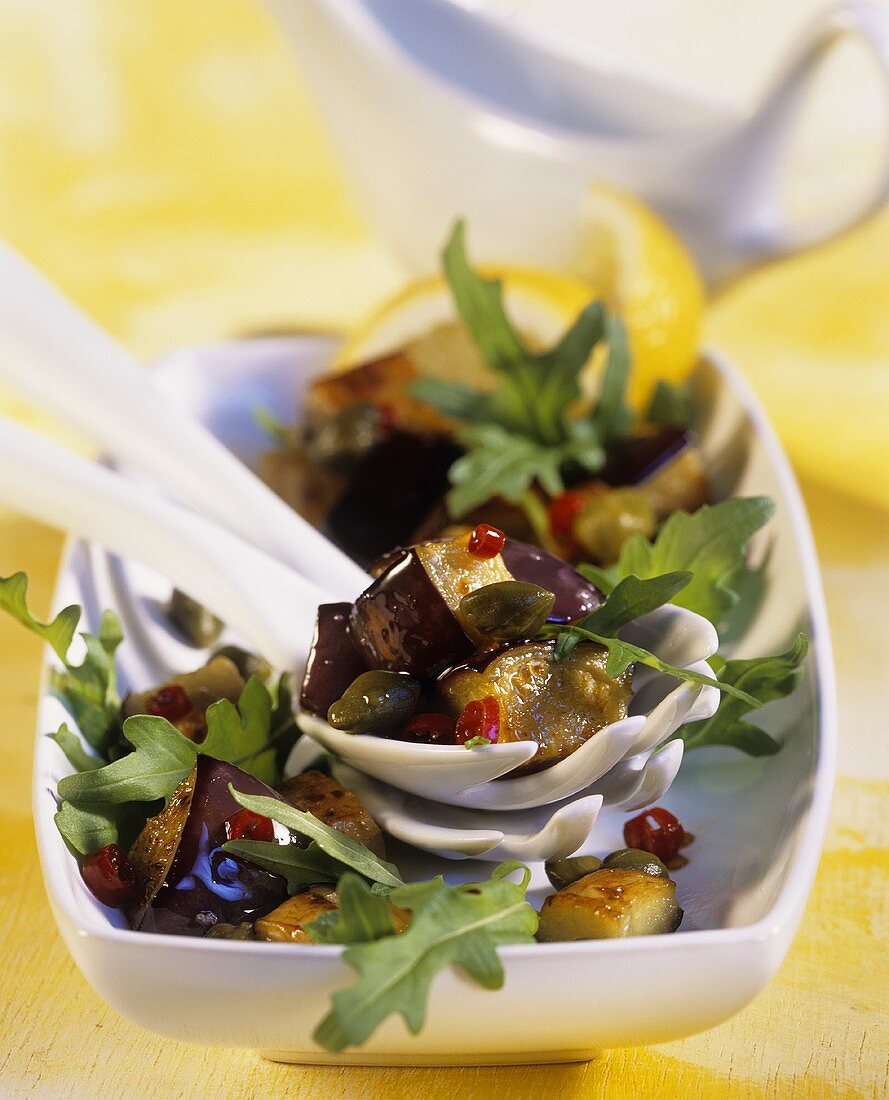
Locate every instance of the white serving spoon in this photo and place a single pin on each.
(267, 602)
(55, 355)
(274, 608)
(456, 833)
(444, 772)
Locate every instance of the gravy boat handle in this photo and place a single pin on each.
(760, 228)
(52, 353)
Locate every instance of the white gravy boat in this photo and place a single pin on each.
(438, 110)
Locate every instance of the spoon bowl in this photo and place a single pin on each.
(478, 778)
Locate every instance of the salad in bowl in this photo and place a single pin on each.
(550, 573)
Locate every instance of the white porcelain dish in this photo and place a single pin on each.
(759, 823)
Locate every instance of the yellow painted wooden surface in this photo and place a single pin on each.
(160, 160)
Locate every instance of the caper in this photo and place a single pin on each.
(247, 663)
(634, 859)
(199, 626)
(507, 609)
(608, 520)
(341, 442)
(562, 872)
(220, 931)
(374, 702)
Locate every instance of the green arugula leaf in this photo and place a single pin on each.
(450, 398)
(520, 433)
(710, 543)
(301, 867)
(451, 925)
(559, 369)
(277, 431)
(500, 463)
(59, 633)
(362, 917)
(479, 302)
(670, 406)
(632, 598)
(162, 757)
(767, 679)
(88, 691)
(241, 734)
(331, 841)
(72, 747)
(612, 416)
(622, 654)
(87, 828)
(283, 730)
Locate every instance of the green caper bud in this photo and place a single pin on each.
(341, 442)
(507, 609)
(374, 702)
(220, 931)
(607, 521)
(199, 626)
(562, 872)
(634, 859)
(247, 663)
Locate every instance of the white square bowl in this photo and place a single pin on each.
(759, 823)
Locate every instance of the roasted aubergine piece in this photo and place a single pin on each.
(188, 882)
(336, 806)
(183, 699)
(558, 704)
(610, 903)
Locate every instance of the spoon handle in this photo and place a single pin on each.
(55, 355)
(265, 601)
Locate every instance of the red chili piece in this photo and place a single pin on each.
(486, 541)
(246, 825)
(171, 702)
(656, 831)
(388, 417)
(430, 727)
(480, 718)
(562, 512)
(110, 875)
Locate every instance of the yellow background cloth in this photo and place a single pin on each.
(161, 161)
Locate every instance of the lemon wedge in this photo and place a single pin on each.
(626, 256)
(644, 272)
(422, 321)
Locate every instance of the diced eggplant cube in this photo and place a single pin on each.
(610, 903)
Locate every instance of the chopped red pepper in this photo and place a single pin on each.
(656, 831)
(110, 875)
(486, 541)
(171, 702)
(388, 416)
(562, 512)
(480, 718)
(430, 727)
(246, 825)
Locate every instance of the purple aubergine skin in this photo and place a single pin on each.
(402, 623)
(632, 461)
(206, 885)
(391, 492)
(334, 661)
(575, 596)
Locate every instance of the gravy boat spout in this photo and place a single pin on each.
(440, 111)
